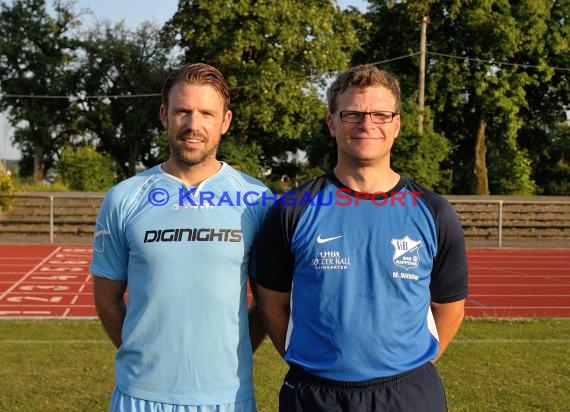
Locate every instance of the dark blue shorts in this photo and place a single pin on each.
(420, 389)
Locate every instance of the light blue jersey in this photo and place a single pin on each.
(184, 253)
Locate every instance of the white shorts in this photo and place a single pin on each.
(125, 403)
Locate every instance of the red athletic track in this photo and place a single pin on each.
(519, 282)
(38, 281)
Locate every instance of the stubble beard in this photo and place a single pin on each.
(190, 157)
(357, 159)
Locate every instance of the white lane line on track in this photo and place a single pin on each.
(23, 278)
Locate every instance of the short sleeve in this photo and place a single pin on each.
(274, 261)
(449, 274)
(110, 252)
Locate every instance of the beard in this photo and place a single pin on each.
(191, 157)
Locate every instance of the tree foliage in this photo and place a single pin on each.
(244, 158)
(84, 169)
(552, 154)
(421, 156)
(7, 188)
(63, 86)
(36, 53)
(127, 69)
(274, 55)
(497, 87)
(478, 101)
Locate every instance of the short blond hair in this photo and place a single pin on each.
(360, 77)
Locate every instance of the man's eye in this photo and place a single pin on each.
(380, 116)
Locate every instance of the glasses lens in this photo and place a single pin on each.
(356, 117)
(381, 117)
(351, 117)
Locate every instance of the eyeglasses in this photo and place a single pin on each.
(351, 116)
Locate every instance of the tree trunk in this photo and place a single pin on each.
(481, 178)
(39, 172)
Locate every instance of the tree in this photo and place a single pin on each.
(552, 154)
(476, 98)
(544, 133)
(84, 169)
(421, 156)
(274, 55)
(246, 158)
(36, 54)
(122, 76)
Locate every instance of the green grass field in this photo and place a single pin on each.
(492, 365)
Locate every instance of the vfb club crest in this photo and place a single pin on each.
(406, 252)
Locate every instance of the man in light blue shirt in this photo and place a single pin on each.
(179, 237)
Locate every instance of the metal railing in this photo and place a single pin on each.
(493, 210)
(560, 217)
(9, 214)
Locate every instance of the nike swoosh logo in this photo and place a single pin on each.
(326, 239)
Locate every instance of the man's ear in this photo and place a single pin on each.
(163, 116)
(397, 127)
(227, 121)
(331, 125)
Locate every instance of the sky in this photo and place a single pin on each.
(133, 12)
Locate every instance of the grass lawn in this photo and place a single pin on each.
(492, 365)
